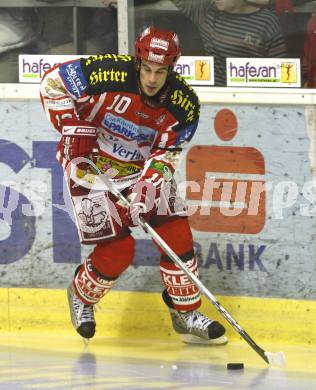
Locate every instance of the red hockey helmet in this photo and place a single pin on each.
(158, 46)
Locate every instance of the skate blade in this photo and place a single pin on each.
(191, 339)
(85, 341)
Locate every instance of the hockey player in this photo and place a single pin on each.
(131, 114)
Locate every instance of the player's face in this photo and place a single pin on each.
(152, 77)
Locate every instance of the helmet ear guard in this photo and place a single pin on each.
(157, 46)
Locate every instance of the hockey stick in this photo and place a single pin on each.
(273, 358)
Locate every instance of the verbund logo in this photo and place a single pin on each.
(266, 72)
(32, 67)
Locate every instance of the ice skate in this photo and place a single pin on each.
(194, 327)
(82, 315)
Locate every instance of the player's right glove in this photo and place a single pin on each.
(144, 196)
(79, 139)
(142, 203)
(129, 216)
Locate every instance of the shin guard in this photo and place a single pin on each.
(184, 294)
(90, 285)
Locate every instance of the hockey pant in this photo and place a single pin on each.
(98, 223)
(100, 271)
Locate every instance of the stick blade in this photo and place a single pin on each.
(276, 358)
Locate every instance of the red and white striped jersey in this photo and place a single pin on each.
(137, 135)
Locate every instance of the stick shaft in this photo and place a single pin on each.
(155, 236)
(149, 230)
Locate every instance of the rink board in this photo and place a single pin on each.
(143, 315)
(270, 253)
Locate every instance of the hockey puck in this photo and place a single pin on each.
(235, 366)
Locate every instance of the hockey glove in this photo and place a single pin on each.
(143, 202)
(79, 139)
(145, 195)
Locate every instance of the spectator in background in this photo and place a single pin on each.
(295, 27)
(165, 17)
(299, 29)
(309, 60)
(280, 6)
(17, 35)
(234, 28)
